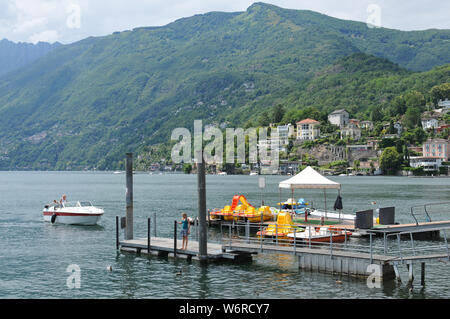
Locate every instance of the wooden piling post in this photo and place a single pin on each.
(175, 239)
(410, 271)
(154, 225)
(397, 273)
(203, 235)
(117, 232)
(422, 274)
(247, 231)
(129, 196)
(148, 235)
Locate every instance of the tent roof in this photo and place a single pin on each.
(309, 178)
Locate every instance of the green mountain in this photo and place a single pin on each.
(86, 104)
(16, 55)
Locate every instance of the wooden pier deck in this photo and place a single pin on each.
(424, 227)
(327, 259)
(165, 247)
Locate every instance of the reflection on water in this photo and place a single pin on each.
(35, 255)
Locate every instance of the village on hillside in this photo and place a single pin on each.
(367, 148)
(409, 145)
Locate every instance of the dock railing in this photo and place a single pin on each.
(251, 235)
(235, 235)
(437, 210)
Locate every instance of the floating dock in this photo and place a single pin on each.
(348, 258)
(165, 247)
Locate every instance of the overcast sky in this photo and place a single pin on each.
(68, 21)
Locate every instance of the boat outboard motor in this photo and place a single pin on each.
(53, 218)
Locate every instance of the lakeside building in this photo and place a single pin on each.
(351, 130)
(267, 144)
(416, 149)
(428, 163)
(441, 128)
(339, 117)
(437, 148)
(399, 127)
(444, 105)
(360, 148)
(290, 167)
(430, 123)
(375, 143)
(308, 130)
(367, 125)
(285, 132)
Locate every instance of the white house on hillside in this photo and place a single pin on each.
(445, 105)
(351, 131)
(430, 123)
(339, 118)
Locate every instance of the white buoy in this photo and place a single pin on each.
(109, 268)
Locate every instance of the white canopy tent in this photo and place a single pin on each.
(310, 179)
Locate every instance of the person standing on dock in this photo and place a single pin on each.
(185, 230)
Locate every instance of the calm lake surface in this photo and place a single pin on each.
(34, 255)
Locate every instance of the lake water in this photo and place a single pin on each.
(34, 255)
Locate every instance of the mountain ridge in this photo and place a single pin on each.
(95, 99)
(14, 56)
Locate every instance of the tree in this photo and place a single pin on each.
(390, 160)
(357, 164)
(419, 135)
(264, 119)
(311, 112)
(412, 117)
(187, 168)
(376, 115)
(440, 92)
(398, 106)
(415, 99)
(392, 129)
(278, 113)
(248, 124)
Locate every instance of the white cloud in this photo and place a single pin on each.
(30, 25)
(50, 36)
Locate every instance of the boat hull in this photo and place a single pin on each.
(72, 218)
(335, 238)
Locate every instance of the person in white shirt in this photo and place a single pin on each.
(63, 200)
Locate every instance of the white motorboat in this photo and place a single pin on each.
(73, 213)
(321, 234)
(317, 213)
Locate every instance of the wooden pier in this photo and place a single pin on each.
(165, 247)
